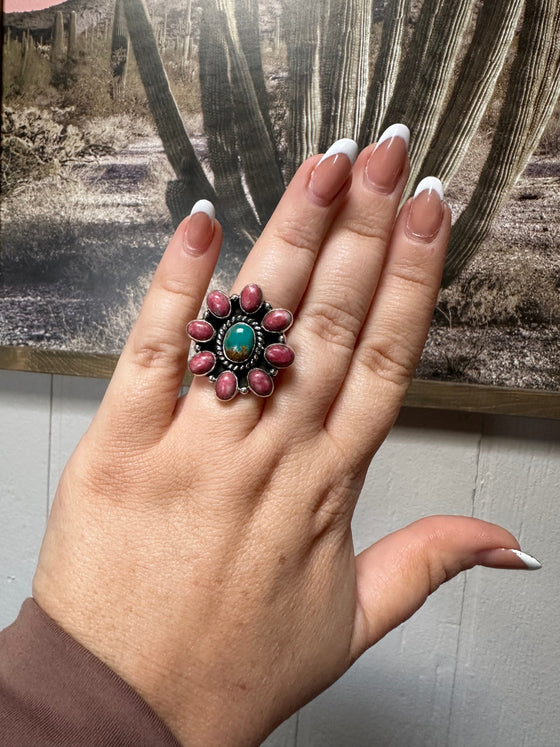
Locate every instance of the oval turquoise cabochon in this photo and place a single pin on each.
(239, 342)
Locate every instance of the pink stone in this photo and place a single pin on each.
(260, 382)
(200, 330)
(279, 355)
(278, 320)
(202, 363)
(226, 385)
(251, 298)
(218, 303)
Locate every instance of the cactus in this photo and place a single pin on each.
(176, 143)
(72, 54)
(256, 149)
(58, 57)
(218, 111)
(344, 69)
(474, 84)
(302, 32)
(119, 53)
(386, 68)
(511, 145)
(57, 50)
(440, 85)
(425, 100)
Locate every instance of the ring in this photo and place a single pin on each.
(240, 343)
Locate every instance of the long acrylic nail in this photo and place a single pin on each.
(507, 558)
(332, 171)
(426, 212)
(386, 163)
(200, 228)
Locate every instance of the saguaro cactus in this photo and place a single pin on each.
(384, 77)
(72, 55)
(57, 49)
(344, 70)
(455, 52)
(513, 138)
(119, 53)
(495, 26)
(302, 22)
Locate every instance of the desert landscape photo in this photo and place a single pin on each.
(117, 115)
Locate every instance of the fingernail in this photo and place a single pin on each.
(332, 171)
(200, 228)
(386, 163)
(426, 212)
(504, 558)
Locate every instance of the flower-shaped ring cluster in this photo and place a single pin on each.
(240, 343)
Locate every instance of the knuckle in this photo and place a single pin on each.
(159, 353)
(362, 229)
(387, 360)
(414, 277)
(332, 324)
(181, 287)
(298, 239)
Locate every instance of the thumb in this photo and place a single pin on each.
(396, 575)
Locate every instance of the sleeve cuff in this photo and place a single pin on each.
(56, 693)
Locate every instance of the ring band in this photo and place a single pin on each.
(240, 343)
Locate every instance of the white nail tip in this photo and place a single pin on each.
(431, 183)
(395, 130)
(204, 206)
(531, 562)
(345, 145)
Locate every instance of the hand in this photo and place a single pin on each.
(203, 549)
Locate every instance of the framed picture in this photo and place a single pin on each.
(117, 115)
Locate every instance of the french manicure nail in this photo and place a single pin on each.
(330, 174)
(386, 163)
(200, 228)
(426, 212)
(508, 558)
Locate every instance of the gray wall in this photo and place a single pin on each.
(478, 665)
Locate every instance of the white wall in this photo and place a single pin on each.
(478, 665)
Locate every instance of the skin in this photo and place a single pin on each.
(203, 549)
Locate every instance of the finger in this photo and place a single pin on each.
(151, 368)
(395, 331)
(346, 273)
(395, 576)
(282, 259)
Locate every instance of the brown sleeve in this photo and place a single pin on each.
(56, 693)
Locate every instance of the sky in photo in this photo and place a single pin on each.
(17, 6)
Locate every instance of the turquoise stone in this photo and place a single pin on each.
(239, 342)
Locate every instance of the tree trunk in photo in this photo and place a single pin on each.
(386, 70)
(474, 84)
(511, 145)
(119, 53)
